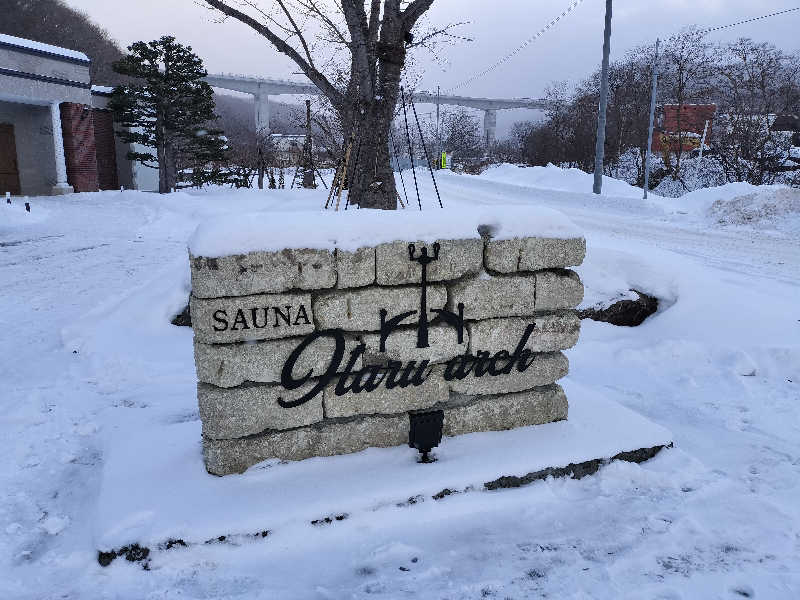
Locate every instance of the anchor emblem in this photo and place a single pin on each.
(444, 315)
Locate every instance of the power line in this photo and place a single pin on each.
(737, 23)
(775, 14)
(572, 6)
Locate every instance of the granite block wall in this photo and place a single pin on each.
(307, 352)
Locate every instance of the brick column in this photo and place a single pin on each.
(79, 146)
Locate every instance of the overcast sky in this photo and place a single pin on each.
(569, 51)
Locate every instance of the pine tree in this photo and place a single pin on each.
(168, 109)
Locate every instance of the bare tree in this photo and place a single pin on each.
(376, 38)
(461, 133)
(751, 77)
(686, 72)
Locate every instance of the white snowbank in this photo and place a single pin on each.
(765, 206)
(32, 45)
(552, 177)
(148, 501)
(353, 229)
(773, 207)
(114, 398)
(699, 201)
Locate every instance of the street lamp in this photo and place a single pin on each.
(425, 432)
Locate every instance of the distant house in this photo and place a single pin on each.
(56, 135)
(287, 147)
(693, 118)
(787, 123)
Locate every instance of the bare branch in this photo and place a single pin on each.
(363, 67)
(414, 11)
(374, 19)
(282, 46)
(444, 31)
(313, 8)
(297, 32)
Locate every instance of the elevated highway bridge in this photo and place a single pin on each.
(262, 89)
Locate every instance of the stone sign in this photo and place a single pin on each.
(304, 352)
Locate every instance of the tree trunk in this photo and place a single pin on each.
(170, 167)
(163, 188)
(372, 182)
(165, 153)
(161, 157)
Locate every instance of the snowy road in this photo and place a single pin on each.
(88, 283)
(743, 250)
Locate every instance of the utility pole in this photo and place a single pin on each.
(650, 126)
(308, 159)
(438, 137)
(599, 149)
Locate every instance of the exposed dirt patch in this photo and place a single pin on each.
(183, 318)
(626, 312)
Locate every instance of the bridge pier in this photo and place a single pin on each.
(262, 112)
(489, 128)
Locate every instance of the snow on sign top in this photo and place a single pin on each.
(353, 229)
(10, 40)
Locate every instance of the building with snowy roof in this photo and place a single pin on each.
(56, 134)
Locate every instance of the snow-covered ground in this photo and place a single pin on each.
(90, 281)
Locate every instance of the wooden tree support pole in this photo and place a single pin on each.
(344, 174)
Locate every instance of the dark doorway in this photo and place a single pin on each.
(9, 173)
(105, 150)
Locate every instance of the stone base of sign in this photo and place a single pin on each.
(533, 254)
(145, 501)
(462, 414)
(496, 413)
(554, 332)
(457, 258)
(546, 368)
(383, 401)
(250, 409)
(316, 352)
(229, 365)
(223, 457)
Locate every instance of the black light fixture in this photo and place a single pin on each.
(425, 432)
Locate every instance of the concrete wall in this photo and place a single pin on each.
(44, 66)
(512, 301)
(34, 139)
(23, 89)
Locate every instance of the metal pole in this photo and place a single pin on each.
(599, 149)
(703, 140)
(438, 137)
(308, 160)
(650, 125)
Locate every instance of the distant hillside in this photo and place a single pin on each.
(53, 22)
